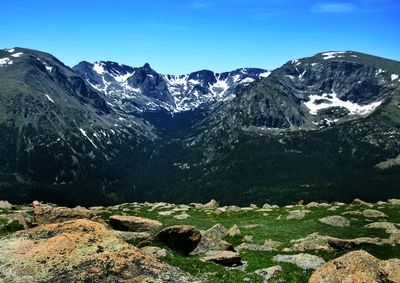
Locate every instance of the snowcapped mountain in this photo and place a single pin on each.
(324, 127)
(143, 89)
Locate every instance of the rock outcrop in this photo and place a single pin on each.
(357, 266)
(48, 214)
(78, 251)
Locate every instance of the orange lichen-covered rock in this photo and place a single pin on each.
(77, 251)
(357, 267)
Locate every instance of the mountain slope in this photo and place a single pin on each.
(56, 130)
(325, 127)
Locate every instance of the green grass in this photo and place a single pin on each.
(270, 227)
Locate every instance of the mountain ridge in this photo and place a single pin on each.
(238, 136)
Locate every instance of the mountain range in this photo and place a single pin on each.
(325, 127)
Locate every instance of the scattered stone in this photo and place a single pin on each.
(225, 258)
(6, 205)
(335, 220)
(394, 201)
(268, 273)
(333, 208)
(212, 204)
(182, 238)
(312, 205)
(134, 223)
(233, 208)
(154, 252)
(166, 213)
(389, 228)
(304, 261)
(248, 239)
(79, 251)
(182, 216)
(382, 203)
(208, 246)
(269, 245)
(297, 214)
(368, 213)
(315, 241)
(234, 231)
(361, 202)
(337, 203)
(267, 205)
(253, 205)
(49, 214)
(251, 226)
(218, 231)
(358, 266)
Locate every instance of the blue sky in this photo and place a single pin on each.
(178, 36)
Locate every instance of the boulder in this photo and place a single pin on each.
(297, 214)
(389, 228)
(234, 231)
(225, 258)
(268, 273)
(357, 266)
(368, 213)
(79, 251)
(209, 246)
(212, 204)
(48, 214)
(268, 246)
(134, 223)
(335, 220)
(181, 238)
(315, 241)
(394, 201)
(361, 202)
(218, 231)
(6, 205)
(304, 261)
(182, 216)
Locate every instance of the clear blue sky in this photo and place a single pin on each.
(180, 36)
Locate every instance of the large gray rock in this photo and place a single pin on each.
(218, 231)
(304, 261)
(209, 246)
(6, 205)
(335, 220)
(134, 223)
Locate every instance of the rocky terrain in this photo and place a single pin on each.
(164, 242)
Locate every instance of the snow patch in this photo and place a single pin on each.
(5, 61)
(16, 55)
(98, 68)
(86, 136)
(248, 80)
(11, 50)
(49, 98)
(332, 55)
(394, 77)
(265, 75)
(331, 100)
